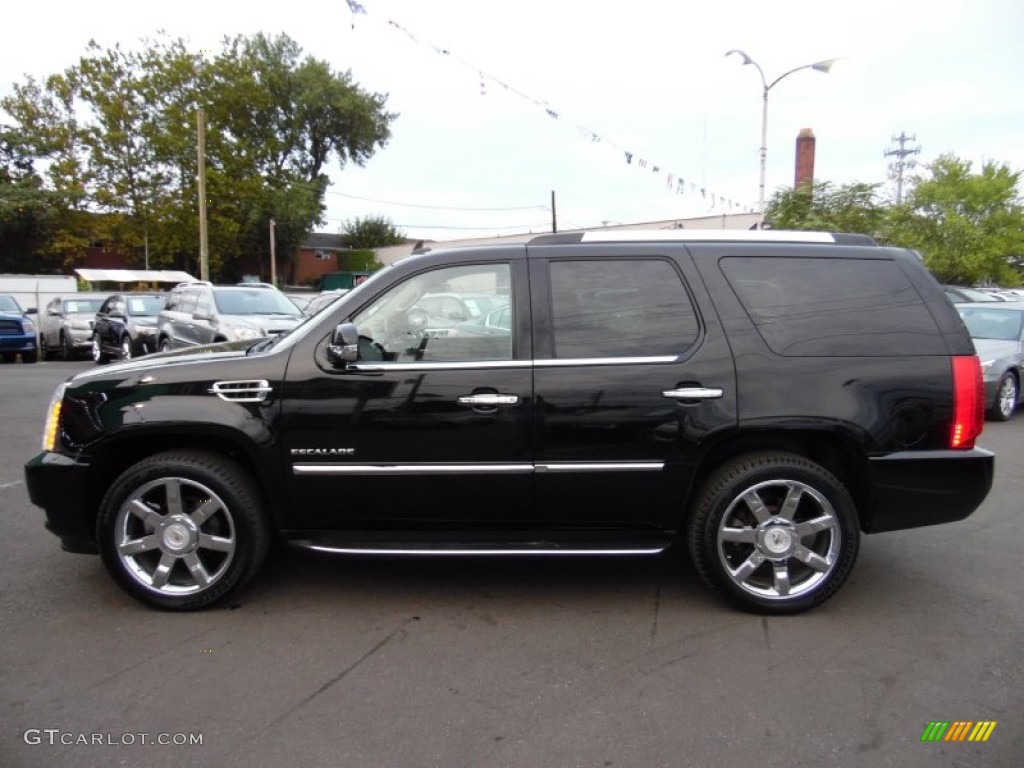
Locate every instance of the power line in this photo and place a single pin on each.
(437, 207)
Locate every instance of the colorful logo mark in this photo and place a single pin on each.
(958, 730)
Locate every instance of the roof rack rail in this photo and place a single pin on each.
(702, 235)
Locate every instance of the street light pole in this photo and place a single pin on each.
(818, 66)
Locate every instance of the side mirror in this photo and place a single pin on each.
(344, 345)
(31, 311)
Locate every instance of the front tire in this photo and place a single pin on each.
(30, 357)
(67, 349)
(183, 530)
(98, 355)
(774, 533)
(1006, 398)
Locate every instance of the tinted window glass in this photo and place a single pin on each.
(834, 307)
(620, 308)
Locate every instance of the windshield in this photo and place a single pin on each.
(8, 304)
(998, 324)
(82, 306)
(145, 306)
(254, 301)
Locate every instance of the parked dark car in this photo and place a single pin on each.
(760, 398)
(997, 329)
(17, 331)
(125, 326)
(65, 326)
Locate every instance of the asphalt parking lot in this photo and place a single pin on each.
(510, 662)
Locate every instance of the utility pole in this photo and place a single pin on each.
(204, 245)
(900, 165)
(554, 217)
(273, 256)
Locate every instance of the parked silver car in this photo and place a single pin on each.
(997, 328)
(202, 313)
(65, 325)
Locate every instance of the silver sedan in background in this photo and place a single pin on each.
(997, 329)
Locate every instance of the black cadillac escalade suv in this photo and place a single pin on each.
(762, 398)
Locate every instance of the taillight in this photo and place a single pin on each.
(968, 402)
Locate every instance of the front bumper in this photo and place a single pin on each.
(18, 343)
(911, 489)
(58, 484)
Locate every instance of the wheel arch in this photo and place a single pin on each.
(108, 461)
(834, 451)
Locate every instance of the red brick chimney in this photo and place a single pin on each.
(804, 159)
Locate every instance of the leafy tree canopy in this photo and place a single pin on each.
(117, 135)
(968, 226)
(371, 232)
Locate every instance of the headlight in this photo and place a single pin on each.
(29, 326)
(986, 364)
(244, 332)
(80, 325)
(53, 418)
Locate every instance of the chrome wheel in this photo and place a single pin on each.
(183, 530)
(175, 536)
(1006, 398)
(773, 532)
(97, 351)
(126, 348)
(779, 539)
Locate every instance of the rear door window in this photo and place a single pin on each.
(604, 308)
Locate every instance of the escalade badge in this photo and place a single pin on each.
(323, 451)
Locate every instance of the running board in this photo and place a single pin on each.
(447, 544)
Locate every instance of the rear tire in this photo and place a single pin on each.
(774, 533)
(1006, 398)
(183, 530)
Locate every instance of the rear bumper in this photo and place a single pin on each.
(57, 483)
(917, 488)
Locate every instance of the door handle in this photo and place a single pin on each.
(488, 400)
(693, 393)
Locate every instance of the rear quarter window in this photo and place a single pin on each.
(818, 307)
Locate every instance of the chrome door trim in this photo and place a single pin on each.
(454, 366)
(600, 466)
(582, 361)
(333, 468)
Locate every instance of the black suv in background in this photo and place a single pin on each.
(761, 398)
(125, 326)
(201, 313)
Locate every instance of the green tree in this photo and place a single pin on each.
(969, 226)
(848, 208)
(371, 232)
(118, 132)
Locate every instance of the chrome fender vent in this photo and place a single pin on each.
(242, 391)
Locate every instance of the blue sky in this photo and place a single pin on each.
(478, 149)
